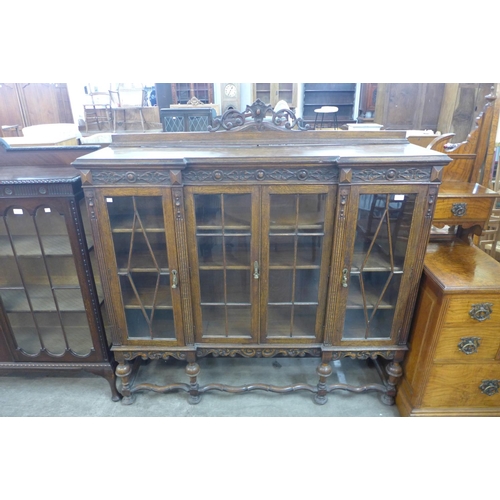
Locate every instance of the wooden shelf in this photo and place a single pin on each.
(163, 299)
(42, 300)
(355, 297)
(29, 246)
(378, 261)
(123, 224)
(142, 262)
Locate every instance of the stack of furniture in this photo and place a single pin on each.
(259, 241)
(453, 363)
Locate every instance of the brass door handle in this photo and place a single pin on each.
(175, 279)
(256, 273)
(344, 277)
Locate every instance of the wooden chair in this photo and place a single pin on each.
(118, 106)
(99, 111)
(490, 237)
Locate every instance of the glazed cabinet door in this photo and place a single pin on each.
(138, 231)
(296, 245)
(261, 255)
(223, 241)
(46, 312)
(384, 231)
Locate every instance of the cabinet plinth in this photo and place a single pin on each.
(260, 243)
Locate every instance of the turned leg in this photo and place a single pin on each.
(123, 371)
(192, 370)
(324, 370)
(394, 372)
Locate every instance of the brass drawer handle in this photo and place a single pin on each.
(175, 279)
(469, 345)
(459, 209)
(481, 312)
(489, 387)
(344, 278)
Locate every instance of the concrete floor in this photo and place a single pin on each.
(87, 395)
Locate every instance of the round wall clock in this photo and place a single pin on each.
(230, 90)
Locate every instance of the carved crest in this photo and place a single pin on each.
(194, 101)
(258, 112)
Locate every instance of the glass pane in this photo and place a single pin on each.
(380, 246)
(141, 254)
(291, 321)
(226, 321)
(77, 332)
(51, 331)
(24, 329)
(306, 212)
(229, 287)
(148, 304)
(295, 251)
(224, 253)
(140, 250)
(139, 324)
(280, 286)
(39, 288)
(127, 213)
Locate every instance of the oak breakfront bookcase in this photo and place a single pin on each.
(260, 242)
(50, 316)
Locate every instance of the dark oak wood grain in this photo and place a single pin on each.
(267, 231)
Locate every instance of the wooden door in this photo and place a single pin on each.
(49, 312)
(296, 237)
(223, 240)
(271, 93)
(137, 228)
(409, 106)
(261, 255)
(10, 109)
(45, 103)
(372, 291)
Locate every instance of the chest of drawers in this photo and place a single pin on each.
(453, 365)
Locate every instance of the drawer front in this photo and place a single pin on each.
(481, 343)
(463, 209)
(463, 385)
(473, 312)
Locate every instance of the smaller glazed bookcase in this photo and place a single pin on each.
(50, 308)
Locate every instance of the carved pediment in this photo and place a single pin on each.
(257, 115)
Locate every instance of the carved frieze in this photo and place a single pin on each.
(363, 354)
(131, 177)
(252, 175)
(391, 174)
(128, 356)
(257, 352)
